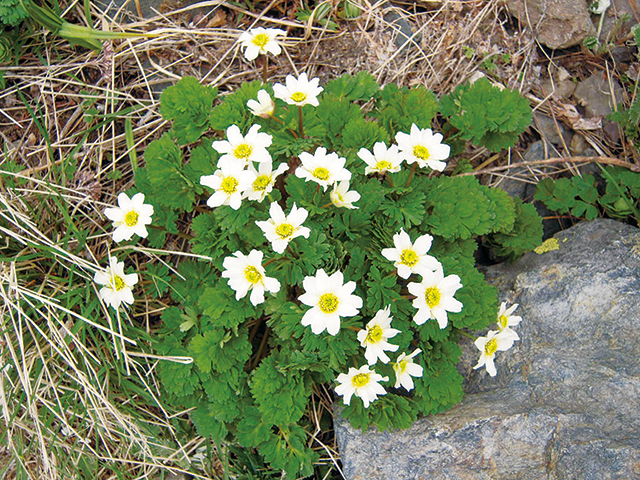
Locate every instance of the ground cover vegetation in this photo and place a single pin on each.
(94, 385)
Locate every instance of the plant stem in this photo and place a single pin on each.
(261, 348)
(389, 180)
(465, 334)
(411, 174)
(300, 126)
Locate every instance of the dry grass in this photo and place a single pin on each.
(64, 117)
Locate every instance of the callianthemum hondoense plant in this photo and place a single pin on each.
(334, 258)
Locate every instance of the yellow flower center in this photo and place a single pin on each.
(402, 366)
(284, 230)
(490, 347)
(432, 296)
(383, 165)
(118, 282)
(243, 151)
(261, 183)
(229, 185)
(131, 218)
(260, 40)
(252, 274)
(421, 152)
(374, 334)
(328, 303)
(408, 257)
(321, 173)
(298, 97)
(360, 380)
(502, 321)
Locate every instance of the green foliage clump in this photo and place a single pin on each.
(525, 235)
(188, 104)
(487, 115)
(11, 12)
(258, 374)
(580, 196)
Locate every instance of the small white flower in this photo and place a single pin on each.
(599, 6)
(240, 150)
(298, 91)
(259, 41)
(229, 183)
(342, 197)
(281, 229)
(263, 107)
(362, 382)
(405, 368)
(506, 321)
(382, 160)
(435, 296)
(245, 272)
(488, 346)
(117, 285)
(424, 147)
(129, 217)
(330, 300)
(374, 337)
(263, 179)
(410, 257)
(324, 169)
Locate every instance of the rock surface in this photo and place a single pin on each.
(557, 23)
(599, 96)
(566, 401)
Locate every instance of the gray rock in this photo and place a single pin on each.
(557, 23)
(566, 401)
(511, 184)
(148, 8)
(551, 130)
(598, 95)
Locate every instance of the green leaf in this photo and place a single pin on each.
(220, 350)
(206, 423)
(233, 110)
(281, 395)
(288, 451)
(362, 86)
(399, 108)
(187, 104)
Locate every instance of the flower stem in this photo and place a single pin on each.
(389, 180)
(261, 348)
(465, 334)
(327, 205)
(300, 126)
(411, 174)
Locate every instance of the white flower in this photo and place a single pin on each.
(298, 91)
(322, 168)
(599, 6)
(264, 107)
(229, 183)
(506, 321)
(488, 346)
(129, 217)
(240, 150)
(330, 300)
(424, 147)
(383, 159)
(405, 368)
(117, 285)
(262, 180)
(374, 337)
(410, 257)
(260, 41)
(281, 229)
(342, 197)
(435, 296)
(363, 382)
(245, 272)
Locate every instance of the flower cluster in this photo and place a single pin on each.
(129, 218)
(498, 340)
(329, 296)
